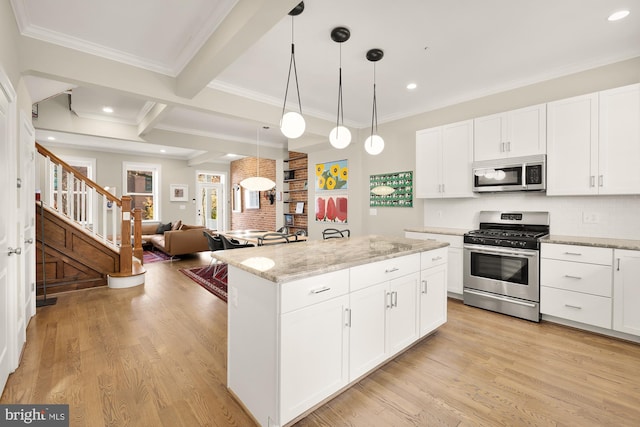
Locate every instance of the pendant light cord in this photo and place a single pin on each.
(340, 115)
(292, 63)
(374, 114)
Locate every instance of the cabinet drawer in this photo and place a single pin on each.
(381, 271)
(590, 309)
(603, 256)
(576, 276)
(453, 240)
(433, 258)
(312, 290)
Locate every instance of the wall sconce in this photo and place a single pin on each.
(270, 195)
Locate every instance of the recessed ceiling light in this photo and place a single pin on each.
(616, 16)
(412, 86)
(51, 138)
(163, 151)
(107, 109)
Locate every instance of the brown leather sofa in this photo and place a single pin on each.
(186, 239)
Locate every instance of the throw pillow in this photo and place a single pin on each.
(163, 227)
(176, 225)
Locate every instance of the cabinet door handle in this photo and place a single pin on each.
(391, 270)
(438, 258)
(394, 299)
(592, 181)
(568, 276)
(443, 188)
(502, 147)
(601, 180)
(573, 253)
(425, 290)
(573, 306)
(508, 145)
(320, 290)
(347, 316)
(618, 264)
(387, 299)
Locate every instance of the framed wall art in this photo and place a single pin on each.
(394, 190)
(178, 193)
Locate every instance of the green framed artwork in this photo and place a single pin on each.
(394, 190)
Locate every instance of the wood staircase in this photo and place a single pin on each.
(78, 246)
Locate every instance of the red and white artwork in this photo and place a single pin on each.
(331, 208)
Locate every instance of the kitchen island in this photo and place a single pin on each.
(306, 320)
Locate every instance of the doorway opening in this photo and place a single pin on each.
(211, 200)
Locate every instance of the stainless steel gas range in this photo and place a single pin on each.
(502, 263)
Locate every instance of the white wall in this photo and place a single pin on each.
(618, 216)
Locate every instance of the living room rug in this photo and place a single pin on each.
(154, 256)
(211, 277)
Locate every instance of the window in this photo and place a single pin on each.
(141, 182)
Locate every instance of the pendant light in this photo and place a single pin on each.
(292, 124)
(257, 183)
(340, 136)
(374, 144)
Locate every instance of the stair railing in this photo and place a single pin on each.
(89, 206)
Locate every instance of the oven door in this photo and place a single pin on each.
(504, 271)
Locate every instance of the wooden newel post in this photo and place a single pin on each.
(137, 234)
(126, 260)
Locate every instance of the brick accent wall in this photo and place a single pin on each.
(265, 217)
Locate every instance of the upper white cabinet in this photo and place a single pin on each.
(572, 145)
(513, 133)
(593, 143)
(619, 149)
(626, 291)
(443, 161)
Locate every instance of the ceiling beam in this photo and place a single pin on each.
(247, 22)
(152, 117)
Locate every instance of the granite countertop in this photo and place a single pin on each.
(600, 242)
(292, 261)
(438, 230)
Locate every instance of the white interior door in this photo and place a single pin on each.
(26, 195)
(210, 203)
(8, 266)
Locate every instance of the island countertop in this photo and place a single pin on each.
(292, 261)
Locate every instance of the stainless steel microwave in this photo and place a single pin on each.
(510, 174)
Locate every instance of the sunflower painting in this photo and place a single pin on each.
(332, 175)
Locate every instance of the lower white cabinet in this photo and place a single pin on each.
(626, 291)
(292, 345)
(576, 283)
(433, 298)
(382, 321)
(454, 257)
(313, 355)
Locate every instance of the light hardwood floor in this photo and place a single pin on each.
(155, 356)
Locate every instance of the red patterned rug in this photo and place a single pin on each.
(211, 277)
(154, 256)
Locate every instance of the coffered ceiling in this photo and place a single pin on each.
(452, 50)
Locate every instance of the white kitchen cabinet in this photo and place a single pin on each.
(454, 258)
(433, 298)
(593, 143)
(513, 133)
(383, 310)
(576, 283)
(626, 291)
(314, 357)
(572, 146)
(294, 344)
(619, 148)
(443, 161)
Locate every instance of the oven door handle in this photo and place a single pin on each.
(499, 251)
(498, 297)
